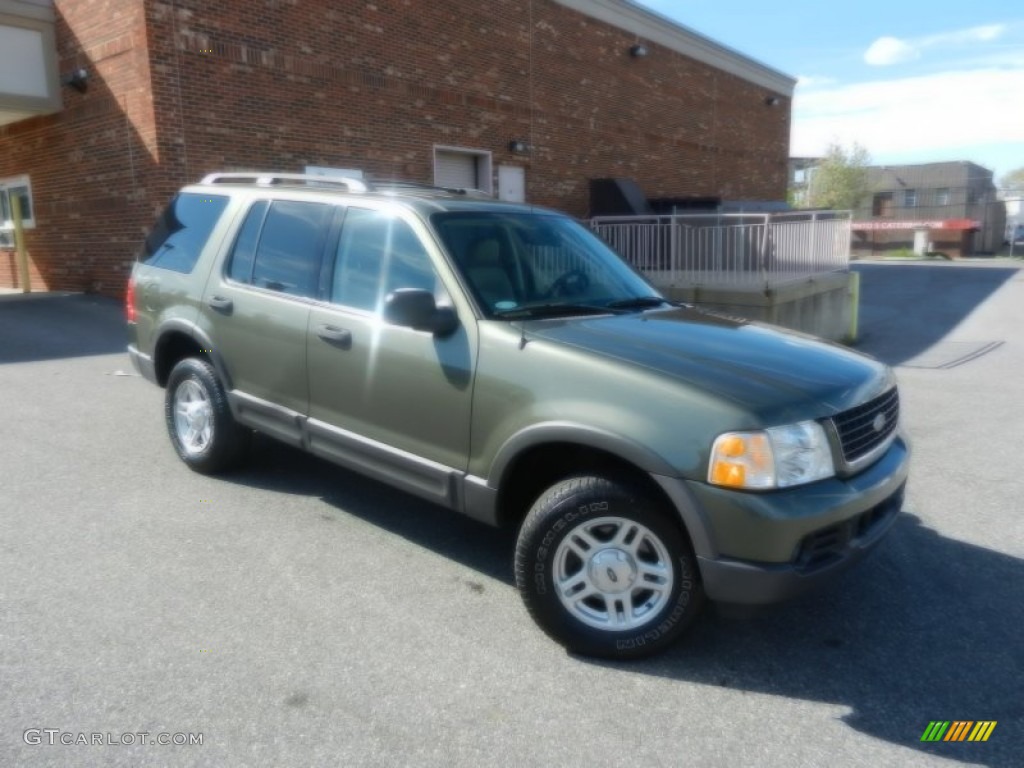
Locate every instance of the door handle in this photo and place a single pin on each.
(332, 334)
(221, 304)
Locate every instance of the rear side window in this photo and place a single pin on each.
(182, 230)
(279, 247)
(244, 252)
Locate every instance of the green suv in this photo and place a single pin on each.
(502, 361)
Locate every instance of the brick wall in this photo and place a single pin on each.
(181, 89)
(89, 165)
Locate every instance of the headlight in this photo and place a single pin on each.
(779, 457)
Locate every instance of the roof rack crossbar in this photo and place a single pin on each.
(274, 179)
(397, 185)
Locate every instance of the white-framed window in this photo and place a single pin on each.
(463, 168)
(942, 196)
(20, 187)
(910, 198)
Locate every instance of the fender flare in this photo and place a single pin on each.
(194, 332)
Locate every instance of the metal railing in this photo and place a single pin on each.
(731, 250)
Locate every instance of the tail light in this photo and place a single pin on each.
(129, 301)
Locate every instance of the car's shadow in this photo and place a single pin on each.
(928, 628)
(277, 467)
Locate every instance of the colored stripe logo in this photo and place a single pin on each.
(958, 730)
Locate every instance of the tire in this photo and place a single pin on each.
(605, 571)
(199, 420)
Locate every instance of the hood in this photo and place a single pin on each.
(774, 374)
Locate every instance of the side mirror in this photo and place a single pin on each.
(415, 308)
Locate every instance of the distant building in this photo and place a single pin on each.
(950, 207)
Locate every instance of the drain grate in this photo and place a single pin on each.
(950, 354)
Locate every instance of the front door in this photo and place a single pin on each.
(390, 401)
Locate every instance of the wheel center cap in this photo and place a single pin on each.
(612, 570)
(198, 415)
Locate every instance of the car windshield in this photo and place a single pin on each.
(525, 264)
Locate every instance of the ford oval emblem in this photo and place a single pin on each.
(879, 422)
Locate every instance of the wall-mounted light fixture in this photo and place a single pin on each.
(518, 146)
(77, 79)
(772, 101)
(638, 51)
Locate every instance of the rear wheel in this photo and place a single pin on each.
(605, 571)
(199, 420)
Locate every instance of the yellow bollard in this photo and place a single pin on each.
(854, 294)
(19, 243)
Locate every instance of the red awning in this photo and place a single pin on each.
(961, 225)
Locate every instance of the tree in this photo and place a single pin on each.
(840, 181)
(1013, 181)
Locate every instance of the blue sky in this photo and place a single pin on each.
(911, 81)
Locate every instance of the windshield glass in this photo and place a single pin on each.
(522, 264)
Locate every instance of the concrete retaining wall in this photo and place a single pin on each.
(822, 305)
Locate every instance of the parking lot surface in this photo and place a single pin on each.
(297, 614)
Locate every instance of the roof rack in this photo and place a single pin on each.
(401, 185)
(262, 179)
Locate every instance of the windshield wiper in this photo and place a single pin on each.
(552, 310)
(638, 302)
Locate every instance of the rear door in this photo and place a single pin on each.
(256, 311)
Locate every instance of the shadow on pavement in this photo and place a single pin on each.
(48, 326)
(928, 628)
(275, 466)
(905, 309)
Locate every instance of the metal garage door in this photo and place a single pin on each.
(456, 169)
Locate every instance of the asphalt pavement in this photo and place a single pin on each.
(295, 614)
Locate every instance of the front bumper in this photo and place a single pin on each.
(755, 548)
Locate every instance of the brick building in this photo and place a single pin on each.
(527, 99)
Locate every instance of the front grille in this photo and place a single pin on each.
(861, 431)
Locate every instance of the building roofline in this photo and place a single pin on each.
(890, 166)
(657, 28)
(41, 10)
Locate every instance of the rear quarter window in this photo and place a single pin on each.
(182, 230)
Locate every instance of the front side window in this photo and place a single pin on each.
(182, 230)
(280, 246)
(910, 198)
(378, 253)
(531, 263)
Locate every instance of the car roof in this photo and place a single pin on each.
(423, 198)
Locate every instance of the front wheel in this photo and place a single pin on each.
(199, 421)
(604, 571)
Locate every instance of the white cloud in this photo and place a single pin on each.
(940, 113)
(982, 34)
(886, 51)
